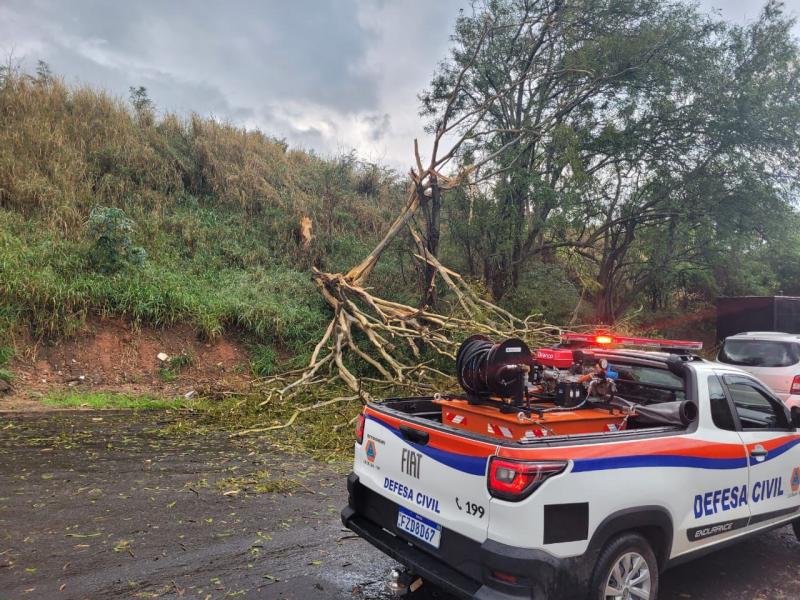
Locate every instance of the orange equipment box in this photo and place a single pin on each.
(485, 419)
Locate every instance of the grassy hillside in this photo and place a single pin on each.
(208, 228)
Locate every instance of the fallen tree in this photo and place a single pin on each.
(394, 338)
(385, 326)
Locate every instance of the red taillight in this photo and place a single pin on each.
(505, 577)
(360, 421)
(795, 385)
(515, 480)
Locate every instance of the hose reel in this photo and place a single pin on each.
(487, 369)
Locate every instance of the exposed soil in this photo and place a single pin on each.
(114, 355)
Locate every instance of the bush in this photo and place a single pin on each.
(6, 354)
(112, 247)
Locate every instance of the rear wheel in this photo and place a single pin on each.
(626, 570)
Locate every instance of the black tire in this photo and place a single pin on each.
(796, 528)
(624, 545)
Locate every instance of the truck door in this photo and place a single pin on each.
(715, 506)
(771, 440)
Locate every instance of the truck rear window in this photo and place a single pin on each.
(648, 385)
(759, 353)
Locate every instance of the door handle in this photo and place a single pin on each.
(759, 452)
(414, 435)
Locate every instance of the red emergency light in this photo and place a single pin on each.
(606, 339)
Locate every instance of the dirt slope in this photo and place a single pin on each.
(114, 355)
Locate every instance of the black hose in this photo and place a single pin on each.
(472, 363)
(487, 369)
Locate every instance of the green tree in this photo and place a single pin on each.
(562, 70)
(615, 118)
(44, 75)
(719, 180)
(142, 104)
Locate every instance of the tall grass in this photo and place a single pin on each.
(65, 149)
(215, 207)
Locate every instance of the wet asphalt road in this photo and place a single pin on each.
(116, 505)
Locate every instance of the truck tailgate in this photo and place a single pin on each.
(436, 478)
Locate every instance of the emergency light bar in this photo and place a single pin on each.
(604, 339)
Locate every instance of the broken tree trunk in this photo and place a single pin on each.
(392, 337)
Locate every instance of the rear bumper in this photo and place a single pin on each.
(462, 566)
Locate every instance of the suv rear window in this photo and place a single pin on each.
(759, 353)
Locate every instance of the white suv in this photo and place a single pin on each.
(771, 356)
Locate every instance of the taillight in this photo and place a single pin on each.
(505, 577)
(360, 427)
(795, 385)
(514, 480)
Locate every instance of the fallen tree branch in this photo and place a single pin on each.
(294, 416)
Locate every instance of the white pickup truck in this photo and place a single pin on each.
(578, 515)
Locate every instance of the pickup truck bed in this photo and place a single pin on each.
(424, 411)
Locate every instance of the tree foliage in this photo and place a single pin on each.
(640, 141)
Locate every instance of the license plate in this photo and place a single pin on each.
(420, 527)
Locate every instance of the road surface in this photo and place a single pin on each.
(97, 505)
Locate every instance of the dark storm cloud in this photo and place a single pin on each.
(297, 50)
(327, 75)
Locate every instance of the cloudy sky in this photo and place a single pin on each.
(327, 75)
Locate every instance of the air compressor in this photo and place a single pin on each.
(513, 393)
(508, 373)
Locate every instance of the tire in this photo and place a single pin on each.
(626, 564)
(796, 528)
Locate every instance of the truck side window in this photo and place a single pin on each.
(720, 408)
(756, 409)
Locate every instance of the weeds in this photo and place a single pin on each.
(111, 400)
(6, 354)
(263, 361)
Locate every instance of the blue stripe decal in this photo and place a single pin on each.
(673, 460)
(476, 465)
(657, 460)
(473, 465)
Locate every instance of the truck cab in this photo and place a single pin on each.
(571, 514)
